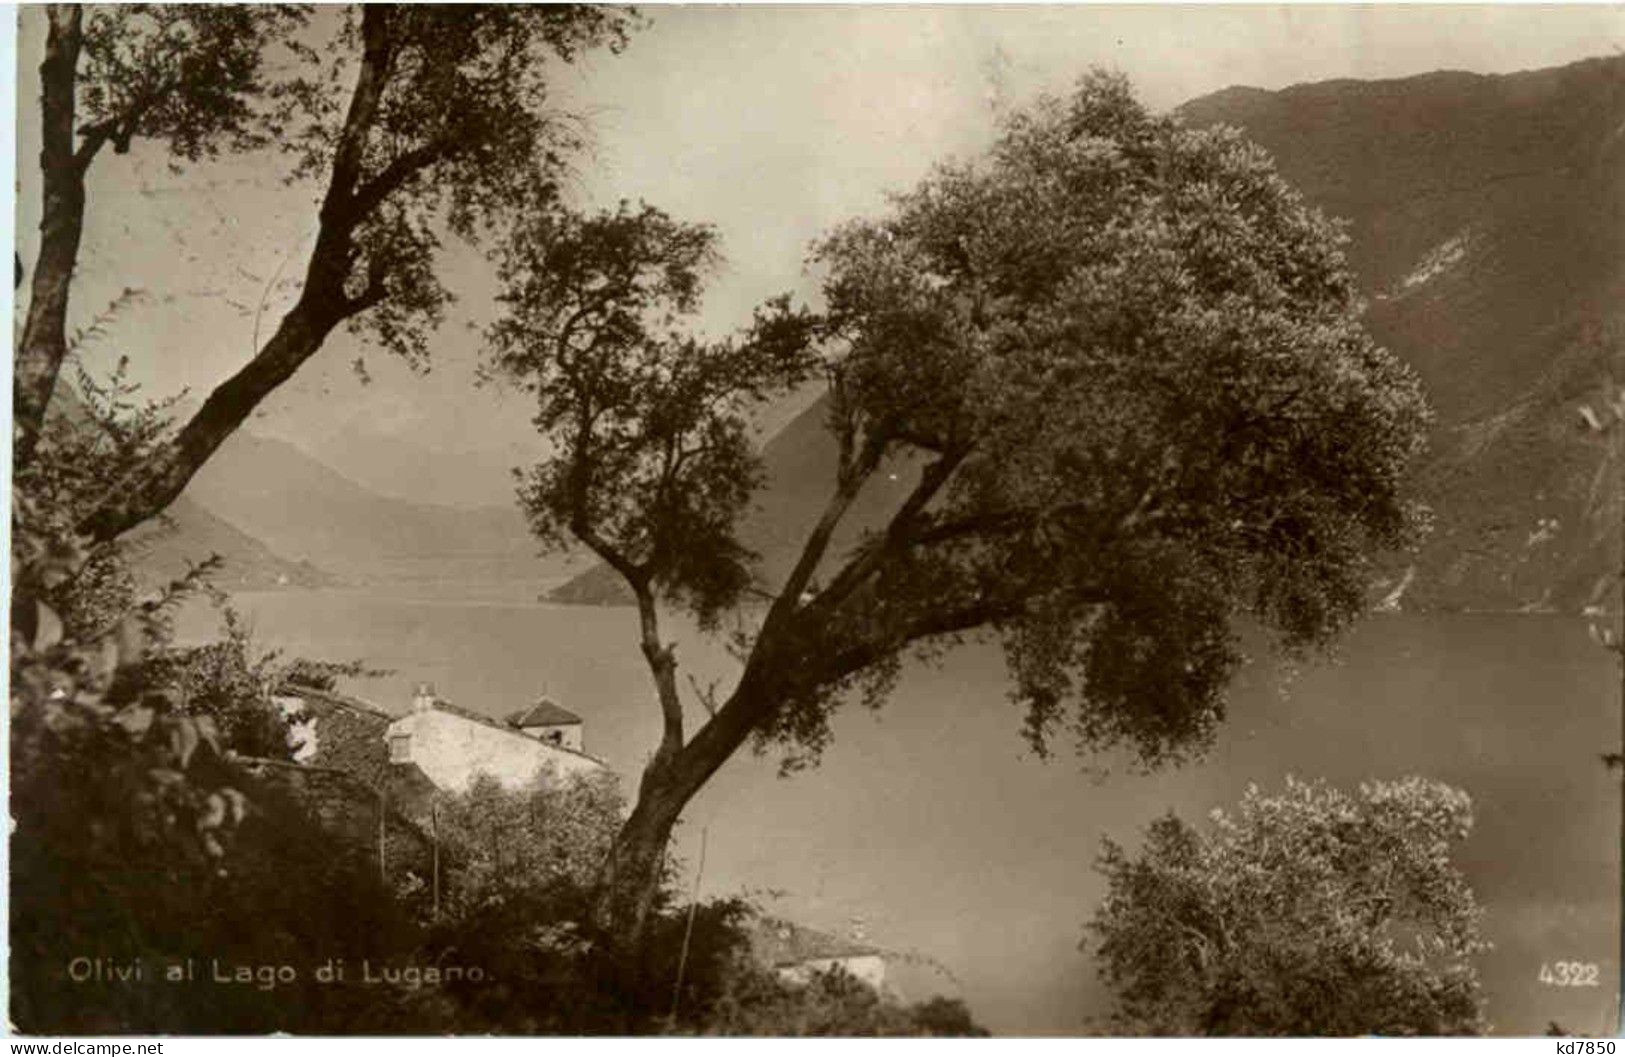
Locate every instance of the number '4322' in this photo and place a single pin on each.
(1568, 974)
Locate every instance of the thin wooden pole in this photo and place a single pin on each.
(434, 839)
(1619, 646)
(688, 931)
(383, 812)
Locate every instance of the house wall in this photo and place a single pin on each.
(452, 750)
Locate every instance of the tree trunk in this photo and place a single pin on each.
(44, 341)
(631, 877)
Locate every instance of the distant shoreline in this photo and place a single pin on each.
(415, 596)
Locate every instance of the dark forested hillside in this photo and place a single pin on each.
(1487, 218)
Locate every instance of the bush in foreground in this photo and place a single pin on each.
(1308, 912)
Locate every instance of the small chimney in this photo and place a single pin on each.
(423, 697)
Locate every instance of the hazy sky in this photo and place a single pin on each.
(771, 122)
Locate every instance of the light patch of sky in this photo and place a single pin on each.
(774, 123)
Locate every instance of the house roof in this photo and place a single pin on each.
(544, 713)
(442, 705)
(327, 697)
(779, 943)
(349, 734)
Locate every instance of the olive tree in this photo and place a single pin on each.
(1121, 361)
(1308, 912)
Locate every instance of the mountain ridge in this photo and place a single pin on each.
(286, 518)
(162, 551)
(1487, 223)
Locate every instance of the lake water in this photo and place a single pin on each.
(931, 829)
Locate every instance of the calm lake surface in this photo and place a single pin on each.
(931, 828)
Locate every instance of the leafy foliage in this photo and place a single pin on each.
(655, 461)
(1137, 353)
(95, 433)
(188, 75)
(1310, 912)
(137, 840)
(93, 785)
(517, 867)
(460, 132)
(500, 843)
(232, 682)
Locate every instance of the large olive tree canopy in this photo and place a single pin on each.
(1120, 359)
(1133, 359)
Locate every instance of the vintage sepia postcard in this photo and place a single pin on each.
(821, 520)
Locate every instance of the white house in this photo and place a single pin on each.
(452, 745)
(796, 953)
